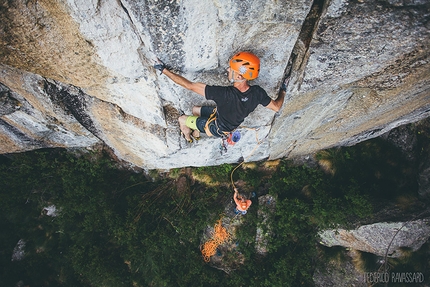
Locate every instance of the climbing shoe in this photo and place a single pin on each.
(190, 140)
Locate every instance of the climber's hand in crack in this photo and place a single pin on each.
(277, 104)
(159, 65)
(285, 84)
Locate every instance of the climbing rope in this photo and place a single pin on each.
(255, 148)
(219, 236)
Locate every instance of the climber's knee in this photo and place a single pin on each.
(197, 111)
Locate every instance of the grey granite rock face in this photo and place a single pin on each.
(358, 69)
(381, 238)
(364, 61)
(36, 121)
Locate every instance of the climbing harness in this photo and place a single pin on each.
(227, 138)
(212, 118)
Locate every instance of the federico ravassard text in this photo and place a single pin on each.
(393, 277)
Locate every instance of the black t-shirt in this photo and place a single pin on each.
(234, 106)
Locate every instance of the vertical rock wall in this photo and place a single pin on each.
(82, 72)
(365, 72)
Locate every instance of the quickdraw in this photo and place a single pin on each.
(223, 146)
(230, 140)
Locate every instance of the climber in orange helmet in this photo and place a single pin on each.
(242, 204)
(233, 103)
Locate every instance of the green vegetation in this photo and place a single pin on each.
(117, 228)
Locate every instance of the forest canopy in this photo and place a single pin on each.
(116, 227)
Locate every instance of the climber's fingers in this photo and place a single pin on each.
(159, 65)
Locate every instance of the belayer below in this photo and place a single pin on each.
(242, 203)
(233, 103)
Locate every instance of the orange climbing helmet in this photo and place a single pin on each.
(246, 64)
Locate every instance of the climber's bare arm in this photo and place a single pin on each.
(236, 193)
(198, 88)
(277, 104)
